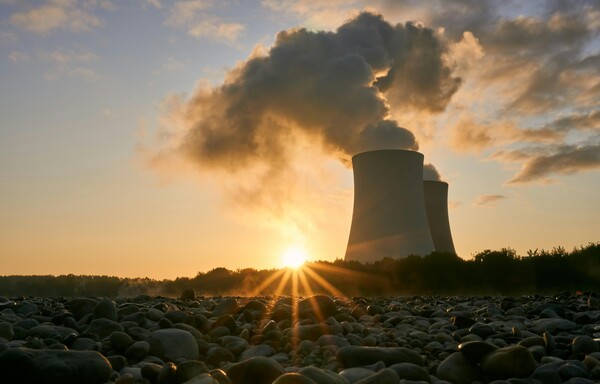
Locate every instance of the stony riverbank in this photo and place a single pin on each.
(527, 339)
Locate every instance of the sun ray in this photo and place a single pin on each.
(330, 288)
(258, 290)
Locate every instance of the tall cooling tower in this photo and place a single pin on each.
(389, 217)
(436, 204)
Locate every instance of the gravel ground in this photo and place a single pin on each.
(318, 339)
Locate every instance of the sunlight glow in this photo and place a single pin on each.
(293, 257)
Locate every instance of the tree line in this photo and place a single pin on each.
(498, 272)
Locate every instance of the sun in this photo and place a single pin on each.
(293, 257)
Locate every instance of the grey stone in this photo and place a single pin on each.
(354, 356)
(227, 306)
(457, 369)
(173, 344)
(553, 325)
(104, 327)
(189, 369)
(354, 374)
(6, 330)
(293, 378)
(256, 351)
(384, 376)
(120, 340)
(475, 350)
(21, 365)
(256, 370)
(322, 376)
(106, 309)
(80, 307)
(318, 306)
(138, 350)
(409, 371)
(584, 345)
(512, 361)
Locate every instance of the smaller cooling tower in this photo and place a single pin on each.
(436, 204)
(389, 217)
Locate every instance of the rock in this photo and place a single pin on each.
(189, 369)
(138, 350)
(120, 340)
(104, 327)
(475, 350)
(322, 376)
(256, 370)
(584, 345)
(188, 294)
(409, 371)
(338, 341)
(462, 322)
(106, 309)
(553, 325)
(85, 344)
(482, 330)
(457, 369)
(6, 330)
(354, 374)
(203, 378)
(45, 331)
(354, 356)
(21, 365)
(80, 307)
(504, 363)
(293, 378)
(216, 355)
(227, 306)
(572, 369)
(235, 344)
(384, 376)
(256, 351)
(314, 331)
(151, 371)
(318, 306)
(173, 344)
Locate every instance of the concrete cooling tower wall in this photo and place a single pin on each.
(389, 218)
(436, 205)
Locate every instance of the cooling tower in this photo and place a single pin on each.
(436, 205)
(389, 218)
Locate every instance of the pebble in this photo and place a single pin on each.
(173, 344)
(231, 340)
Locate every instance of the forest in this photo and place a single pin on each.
(497, 272)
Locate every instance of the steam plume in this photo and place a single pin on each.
(329, 87)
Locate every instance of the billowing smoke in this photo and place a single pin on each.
(332, 88)
(430, 173)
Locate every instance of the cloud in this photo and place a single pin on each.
(53, 15)
(563, 159)
(468, 135)
(192, 16)
(155, 3)
(70, 63)
(488, 200)
(18, 57)
(7, 38)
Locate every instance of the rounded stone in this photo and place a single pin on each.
(512, 361)
(318, 306)
(22, 365)
(293, 378)
(383, 376)
(409, 371)
(216, 355)
(475, 350)
(322, 376)
(6, 330)
(354, 356)
(584, 345)
(173, 344)
(457, 369)
(120, 340)
(226, 306)
(256, 351)
(354, 374)
(138, 350)
(106, 309)
(188, 294)
(189, 369)
(256, 370)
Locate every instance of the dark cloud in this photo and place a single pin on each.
(564, 159)
(330, 87)
(488, 200)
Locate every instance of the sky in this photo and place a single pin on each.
(154, 138)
